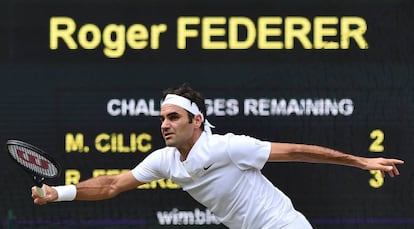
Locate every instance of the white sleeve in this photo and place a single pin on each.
(149, 169)
(247, 152)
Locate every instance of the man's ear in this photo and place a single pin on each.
(198, 120)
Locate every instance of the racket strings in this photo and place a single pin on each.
(33, 161)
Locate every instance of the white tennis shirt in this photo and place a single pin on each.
(222, 172)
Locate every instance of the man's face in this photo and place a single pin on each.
(176, 127)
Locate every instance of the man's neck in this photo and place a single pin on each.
(185, 149)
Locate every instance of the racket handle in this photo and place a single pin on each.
(41, 191)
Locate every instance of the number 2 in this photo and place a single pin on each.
(378, 137)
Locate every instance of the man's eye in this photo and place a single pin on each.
(172, 118)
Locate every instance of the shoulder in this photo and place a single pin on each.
(236, 139)
(234, 142)
(155, 165)
(219, 140)
(248, 152)
(161, 154)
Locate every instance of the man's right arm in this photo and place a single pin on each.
(97, 188)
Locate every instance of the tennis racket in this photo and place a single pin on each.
(35, 161)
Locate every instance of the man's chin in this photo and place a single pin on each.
(169, 143)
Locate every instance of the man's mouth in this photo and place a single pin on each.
(167, 135)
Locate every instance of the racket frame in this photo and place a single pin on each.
(38, 178)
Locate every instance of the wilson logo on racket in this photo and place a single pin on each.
(44, 164)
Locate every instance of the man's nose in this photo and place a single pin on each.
(165, 124)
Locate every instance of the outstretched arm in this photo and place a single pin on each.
(318, 154)
(97, 188)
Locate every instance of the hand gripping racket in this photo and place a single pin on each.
(34, 161)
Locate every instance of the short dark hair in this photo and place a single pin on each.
(186, 91)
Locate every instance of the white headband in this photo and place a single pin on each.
(191, 107)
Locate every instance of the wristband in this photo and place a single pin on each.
(65, 192)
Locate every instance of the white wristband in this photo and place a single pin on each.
(65, 192)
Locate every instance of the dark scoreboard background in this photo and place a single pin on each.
(68, 102)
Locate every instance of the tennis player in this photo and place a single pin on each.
(222, 172)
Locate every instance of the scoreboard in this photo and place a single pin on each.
(83, 80)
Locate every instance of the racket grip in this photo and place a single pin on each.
(41, 191)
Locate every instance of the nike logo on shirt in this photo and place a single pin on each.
(205, 168)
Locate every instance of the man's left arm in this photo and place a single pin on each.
(317, 154)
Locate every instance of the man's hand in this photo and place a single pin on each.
(50, 195)
(384, 165)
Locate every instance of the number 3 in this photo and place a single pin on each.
(377, 181)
